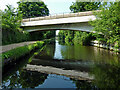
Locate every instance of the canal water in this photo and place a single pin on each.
(103, 64)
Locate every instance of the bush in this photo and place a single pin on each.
(11, 31)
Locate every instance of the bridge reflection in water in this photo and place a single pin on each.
(102, 64)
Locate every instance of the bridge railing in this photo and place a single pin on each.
(63, 15)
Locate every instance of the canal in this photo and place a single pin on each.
(101, 64)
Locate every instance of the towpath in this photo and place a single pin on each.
(15, 45)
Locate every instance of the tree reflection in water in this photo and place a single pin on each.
(83, 84)
(32, 79)
(47, 53)
(24, 79)
(105, 68)
(107, 76)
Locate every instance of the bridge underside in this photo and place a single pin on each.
(82, 26)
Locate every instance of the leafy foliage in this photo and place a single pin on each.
(108, 23)
(84, 6)
(11, 31)
(11, 21)
(36, 9)
(39, 35)
(33, 9)
(75, 37)
(83, 38)
(78, 37)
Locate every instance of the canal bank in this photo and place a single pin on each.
(14, 51)
(105, 46)
(13, 54)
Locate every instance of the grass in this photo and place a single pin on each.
(20, 51)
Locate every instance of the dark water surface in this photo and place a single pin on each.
(104, 65)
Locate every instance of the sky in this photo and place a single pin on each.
(54, 6)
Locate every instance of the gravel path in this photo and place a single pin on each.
(12, 46)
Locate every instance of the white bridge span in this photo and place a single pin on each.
(71, 21)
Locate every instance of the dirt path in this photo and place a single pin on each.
(12, 46)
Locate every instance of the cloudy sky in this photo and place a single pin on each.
(55, 6)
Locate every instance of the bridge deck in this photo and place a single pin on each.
(73, 21)
(79, 14)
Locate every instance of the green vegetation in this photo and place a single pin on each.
(78, 37)
(11, 32)
(83, 38)
(33, 9)
(21, 51)
(75, 37)
(108, 24)
(84, 6)
(39, 35)
(66, 36)
(11, 21)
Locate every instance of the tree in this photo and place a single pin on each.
(84, 6)
(33, 9)
(78, 37)
(11, 19)
(11, 31)
(108, 23)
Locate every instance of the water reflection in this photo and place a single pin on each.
(87, 53)
(47, 53)
(81, 84)
(107, 75)
(24, 79)
(68, 65)
(77, 52)
(57, 81)
(14, 76)
(57, 54)
(31, 79)
(101, 63)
